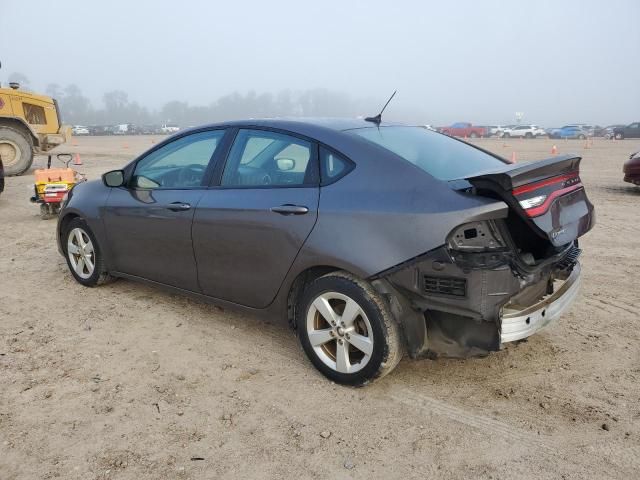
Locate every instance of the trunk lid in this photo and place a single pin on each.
(547, 195)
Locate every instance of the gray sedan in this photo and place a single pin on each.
(371, 239)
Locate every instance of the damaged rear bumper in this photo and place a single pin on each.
(517, 324)
(451, 307)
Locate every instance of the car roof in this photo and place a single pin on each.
(321, 128)
(339, 124)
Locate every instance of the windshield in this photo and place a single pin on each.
(439, 155)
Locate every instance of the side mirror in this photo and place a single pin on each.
(114, 178)
(285, 164)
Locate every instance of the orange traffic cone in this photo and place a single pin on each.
(125, 145)
(152, 141)
(504, 145)
(76, 159)
(554, 150)
(74, 142)
(514, 158)
(586, 143)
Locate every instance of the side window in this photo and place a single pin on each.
(332, 166)
(260, 158)
(179, 164)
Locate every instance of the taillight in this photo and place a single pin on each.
(536, 198)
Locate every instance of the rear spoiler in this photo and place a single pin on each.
(512, 176)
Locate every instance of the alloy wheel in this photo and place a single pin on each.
(81, 253)
(339, 332)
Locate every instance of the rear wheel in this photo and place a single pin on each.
(505, 135)
(581, 137)
(84, 258)
(16, 151)
(528, 135)
(473, 135)
(347, 330)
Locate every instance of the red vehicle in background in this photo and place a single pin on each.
(631, 169)
(463, 129)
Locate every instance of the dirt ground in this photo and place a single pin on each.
(128, 382)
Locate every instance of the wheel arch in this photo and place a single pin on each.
(412, 322)
(21, 126)
(298, 284)
(62, 225)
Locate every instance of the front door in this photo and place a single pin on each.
(148, 223)
(248, 230)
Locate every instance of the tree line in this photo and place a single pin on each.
(117, 108)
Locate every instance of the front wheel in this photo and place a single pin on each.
(505, 135)
(528, 135)
(84, 258)
(347, 330)
(619, 136)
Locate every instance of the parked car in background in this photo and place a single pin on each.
(630, 131)
(120, 129)
(99, 130)
(272, 216)
(170, 128)
(79, 130)
(570, 131)
(607, 132)
(496, 130)
(464, 129)
(631, 169)
(524, 131)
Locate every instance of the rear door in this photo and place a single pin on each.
(249, 227)
(148, 223)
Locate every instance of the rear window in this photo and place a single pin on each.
(438, 155)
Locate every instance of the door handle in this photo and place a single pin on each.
(290, 210)
(178, 206)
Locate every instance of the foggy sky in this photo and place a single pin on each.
(481, 61)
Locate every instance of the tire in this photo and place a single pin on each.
(371, 326)
(473, 135)
(581, 137)
(16, 151)
(505, 135)
(76, 230)
(619, 136)
(528, 135)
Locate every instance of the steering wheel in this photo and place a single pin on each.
(191, 174)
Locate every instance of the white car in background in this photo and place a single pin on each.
(79, 130)
(524, 131)
(496, 130)
(169, 128)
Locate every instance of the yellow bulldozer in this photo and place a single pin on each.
(29, 124)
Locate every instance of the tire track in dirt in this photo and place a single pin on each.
(479, 422)
(603, 304)
(626, 458)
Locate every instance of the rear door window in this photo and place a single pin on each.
(262, 158)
